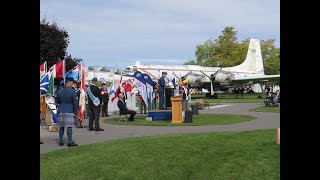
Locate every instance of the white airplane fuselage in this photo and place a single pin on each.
(249, 72)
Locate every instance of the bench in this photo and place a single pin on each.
(201, 103)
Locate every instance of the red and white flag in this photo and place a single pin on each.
(82, 101)
(116, 93)
(43, 69)
(58, 70)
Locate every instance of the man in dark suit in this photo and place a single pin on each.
(105, 100)
(161, 86)
(124, 109)
(94, 111)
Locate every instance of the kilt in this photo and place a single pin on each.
(66, 120)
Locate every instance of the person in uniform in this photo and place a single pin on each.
(105, 100)
(94, 111)
(161, 91)
(66, 98)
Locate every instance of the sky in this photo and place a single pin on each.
(116, 33)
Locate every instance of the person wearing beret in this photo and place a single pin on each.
(94, 110)
(66, 98)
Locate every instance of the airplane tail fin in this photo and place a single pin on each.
(253, 61)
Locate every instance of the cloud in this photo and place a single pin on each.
(119, 30)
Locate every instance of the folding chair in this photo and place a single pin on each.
(123, 117)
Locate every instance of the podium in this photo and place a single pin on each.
(176, 102)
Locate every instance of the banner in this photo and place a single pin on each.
(140, 82)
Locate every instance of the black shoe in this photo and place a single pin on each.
(41, 142)
(100, 129)
(73, 144)
(61, 144)
(108, 115)
(90, 129)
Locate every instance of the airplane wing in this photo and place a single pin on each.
(264, 78)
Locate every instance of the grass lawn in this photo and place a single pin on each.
(228, 155)
(266, 109)
(248, 98)
(197, 120)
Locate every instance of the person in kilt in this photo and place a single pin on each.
(66, 99)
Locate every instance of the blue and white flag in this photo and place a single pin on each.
(111, 89)
(74, 73)
(44, 84)
(140, 81)
(149, 85)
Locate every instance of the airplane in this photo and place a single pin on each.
(251, 71)
(104, 74)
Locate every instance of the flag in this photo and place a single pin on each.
(51, 85)
(140, 81)
(52, 105)
(116, 93)
(149, 85)
(43, 69)
(127, 86)
(111, 89)
(74, 73)
(44, 84)
(82, 101)
(58, 70)
(174, 82)
(186, 80)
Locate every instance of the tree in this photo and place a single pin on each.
(71, 62)
(190, 62)
(53, 42)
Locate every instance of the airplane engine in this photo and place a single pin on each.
(192, 80)
(221, 77)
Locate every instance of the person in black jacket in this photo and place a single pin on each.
(124, 109)
(94, 111)
(105, 100)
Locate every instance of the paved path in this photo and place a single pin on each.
(83, 136)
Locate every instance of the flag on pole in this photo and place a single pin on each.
(51, 85)
(43, 69)
(82, 101)
(116, 93)
(111, 89)
(149, 85)
(58, 70)
(44, 84)
(74, 73)
(141, 84)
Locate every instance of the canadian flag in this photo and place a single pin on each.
(58, 70)
(43, 68)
